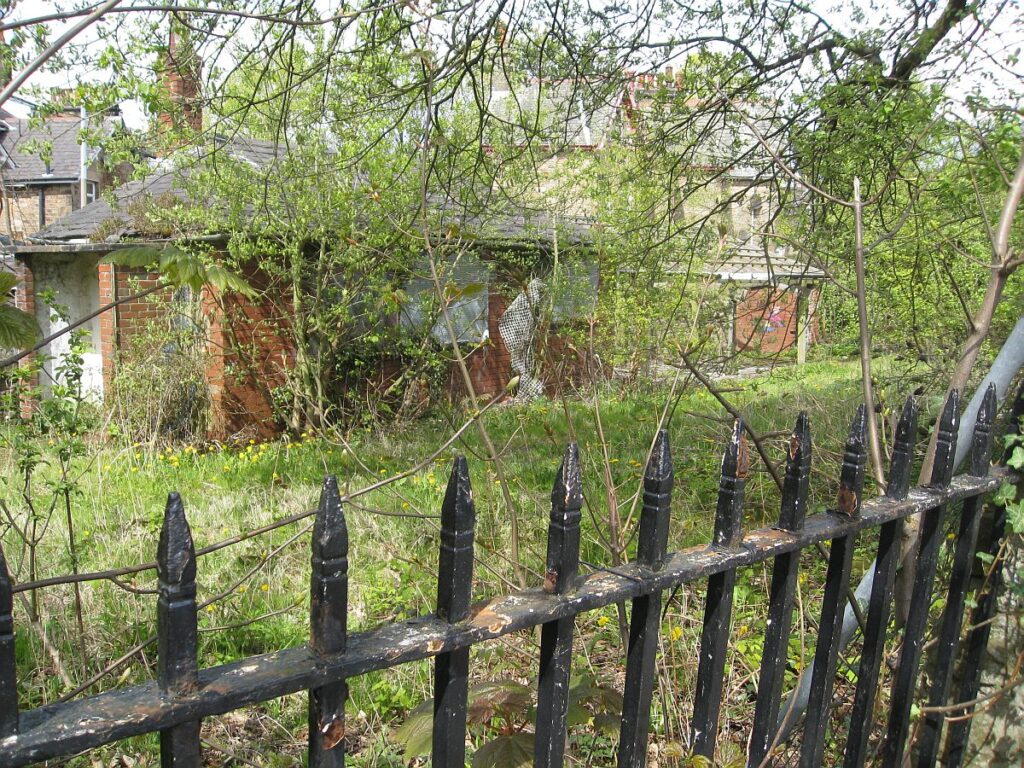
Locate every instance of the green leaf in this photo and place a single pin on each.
(511, 751)
(1005, 495)
(416, 733)
(497, 697)
(223, 280)
(698, 761)
(1015, 516)
(7, 281)
(1016, 459)
(608, 723)
(577, 714)
(18, 329)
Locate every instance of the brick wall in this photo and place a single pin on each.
(23, 204)
(766, 320)
(560, 363)
(250, 351)
(489, 365)
(25, 300)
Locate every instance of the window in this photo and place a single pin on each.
(91, 190)
(467, 279)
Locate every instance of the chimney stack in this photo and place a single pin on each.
(180, 75)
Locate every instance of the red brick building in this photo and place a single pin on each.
(775, 299)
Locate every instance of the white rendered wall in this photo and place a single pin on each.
(75, 283)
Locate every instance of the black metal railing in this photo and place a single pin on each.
(183, 693)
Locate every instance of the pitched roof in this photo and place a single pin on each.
(563, 112)
(167, 178)
(23, 161)
(22, 145)
(501, 224)
(750, 262)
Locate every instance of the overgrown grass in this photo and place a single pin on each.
(229, 490)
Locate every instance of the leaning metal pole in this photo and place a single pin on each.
(1007, 364)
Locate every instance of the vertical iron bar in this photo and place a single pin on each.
(8, 666)
(905, 682)
(837, 579)
(959, 581)
(454, 590)
(718, 606)
(886, 559)
(981, 615)
(563, 559)
(645, 620)
(328, 625)
(177, 631)
(783, 586)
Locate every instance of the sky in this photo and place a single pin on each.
(987, 68)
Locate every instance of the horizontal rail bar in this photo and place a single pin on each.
(65, 729)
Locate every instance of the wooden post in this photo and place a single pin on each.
(454, 591)
(177, 632)
(328, 619)
(556, 636)
(780, 607)
(837, 580)
(645, 620)
(803, 315)
(718, 606)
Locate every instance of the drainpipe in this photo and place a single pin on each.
(83, 182)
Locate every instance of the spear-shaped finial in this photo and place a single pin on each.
(798, 473)
(652, 540)
(177, 618)
(735, 468)
(903, 451)
(564, 528)
(328, 607)
(851, 478)
(981, 441)
(455, 567)
(945, 444)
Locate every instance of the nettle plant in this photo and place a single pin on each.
(500, 712)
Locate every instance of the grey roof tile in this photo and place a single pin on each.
(167, 177)
(24, 162)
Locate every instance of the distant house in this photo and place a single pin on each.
(724, 172)
(48, 170)
(776, 294)
(65, 257)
